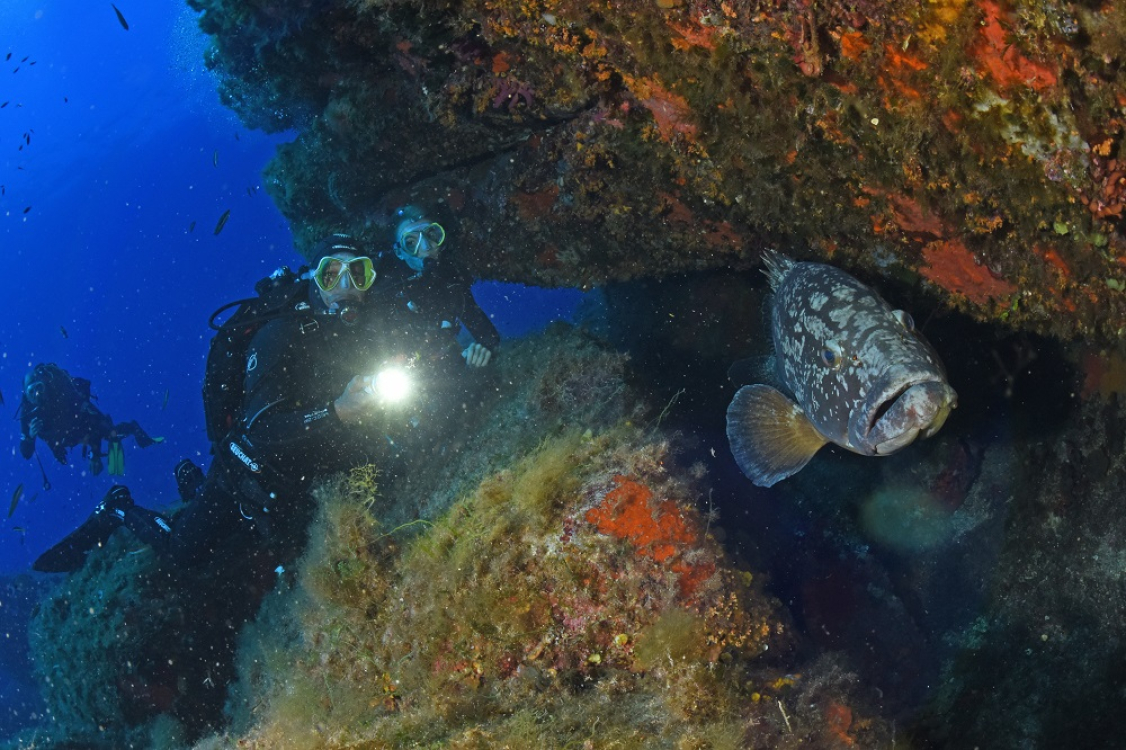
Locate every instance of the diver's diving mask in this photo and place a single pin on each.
(419, 235)
(331, 269)
(34, 391)
(35, 384)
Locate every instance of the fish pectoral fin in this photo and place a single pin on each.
(770, 436)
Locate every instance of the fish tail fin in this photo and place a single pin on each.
(776, 266)
(770, 436)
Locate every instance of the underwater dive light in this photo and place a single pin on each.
(392, 384)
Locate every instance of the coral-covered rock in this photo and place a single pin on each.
(1048, 642)
(950, 144)
(557, 578)
(576, 595)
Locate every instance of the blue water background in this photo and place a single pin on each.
(124, 129)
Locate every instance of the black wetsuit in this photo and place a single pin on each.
(254, 508)
(288, 434)
(440, 295)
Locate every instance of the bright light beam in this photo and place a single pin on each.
(392, 385)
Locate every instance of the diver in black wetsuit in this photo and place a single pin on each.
(434, 288)
(310, 410)
(58, 409)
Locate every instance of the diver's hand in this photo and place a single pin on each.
(35, 427)
(476, 355)
(356, 401)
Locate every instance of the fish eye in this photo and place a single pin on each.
(833, 354)
(904, 319)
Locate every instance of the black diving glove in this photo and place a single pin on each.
(69, 555)
(115, 502)
(189, 478)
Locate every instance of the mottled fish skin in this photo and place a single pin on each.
(857, 369)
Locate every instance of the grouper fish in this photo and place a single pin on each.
(859, 373)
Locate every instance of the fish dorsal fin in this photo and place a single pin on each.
(770, 436)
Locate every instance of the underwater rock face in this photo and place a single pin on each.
(127, 650)
(556, 579)
(968, 149)
(572, 594)
(19, 594)
(96, 664)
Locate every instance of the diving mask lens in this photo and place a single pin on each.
(433, 234)
(330, 270)
(34, 391)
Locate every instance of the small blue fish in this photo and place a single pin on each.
(222, 221)
(861, 376)
(120, 18)
(15, 499)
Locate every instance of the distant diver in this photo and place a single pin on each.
(58, 409)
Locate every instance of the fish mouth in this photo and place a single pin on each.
(904, 409)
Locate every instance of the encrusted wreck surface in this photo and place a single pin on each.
(968, 150)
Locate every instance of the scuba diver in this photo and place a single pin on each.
(58, 409)
(303, 405)
(433, 287)
(298, 387)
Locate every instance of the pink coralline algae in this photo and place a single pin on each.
(510, 94)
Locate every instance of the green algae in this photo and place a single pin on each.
(504, 591)
(508, 618)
